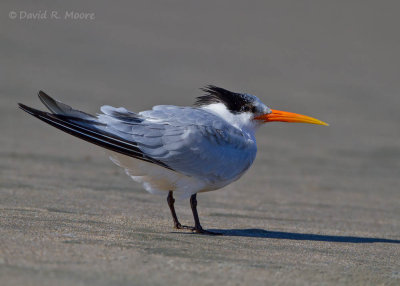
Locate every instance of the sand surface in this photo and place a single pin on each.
(320, 206)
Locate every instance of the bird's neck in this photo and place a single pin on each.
(243, 121)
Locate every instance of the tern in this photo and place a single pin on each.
(175, 150)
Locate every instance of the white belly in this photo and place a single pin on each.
(156, 179)
(159, 180)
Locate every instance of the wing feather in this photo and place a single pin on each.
(93, 132)
(191, 141)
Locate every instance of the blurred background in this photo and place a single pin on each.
(337, 61)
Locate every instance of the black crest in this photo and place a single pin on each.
(235, 102)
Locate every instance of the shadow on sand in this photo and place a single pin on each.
(261, 233)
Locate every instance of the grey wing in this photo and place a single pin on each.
(189, 140)
(89, 127)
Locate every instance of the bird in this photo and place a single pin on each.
(176, 150)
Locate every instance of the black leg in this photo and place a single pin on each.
(171, 201)
(193, 205)
(197, 226)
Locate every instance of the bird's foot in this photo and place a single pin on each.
(200, 230)
(180, 226)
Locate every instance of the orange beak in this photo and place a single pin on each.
(284, 116)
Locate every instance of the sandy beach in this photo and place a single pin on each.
(320, 205)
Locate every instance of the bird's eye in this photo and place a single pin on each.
(246, 108)
(254, 109)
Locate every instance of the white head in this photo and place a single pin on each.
(245, 111)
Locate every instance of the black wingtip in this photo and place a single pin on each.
(28, 109)
(42, 93)
(46, 99)
(23, 107)
(44, 96)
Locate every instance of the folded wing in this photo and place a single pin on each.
(189, 140)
